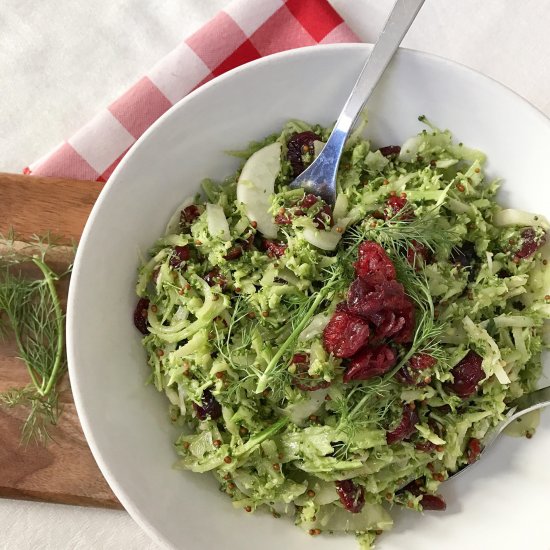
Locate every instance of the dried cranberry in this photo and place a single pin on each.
(366, 299)
(323, 218)
(300, 359)
(406, 427)
(425, 446)
(422, 361)
(405, 333)
(351, 496)
(234, 253)
(411, 373)
(247, 243)
(474, 450)
(397, 325)
(308, 201)
(283, 219)
(299, 145)
(345, 333)
(433, 502)
(398, 208)
(464, 255)
(530, 243)
(372, 259)
(275, 249)
(385, 305)
(140, 315)
(209, 407)
(180, 255)
(466, 375)
(390, 150)
(417, 254)
(214, 277)
(370, 362)
(188, 215)
(415, 487)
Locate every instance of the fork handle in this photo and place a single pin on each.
(322, 172)
(397, 25)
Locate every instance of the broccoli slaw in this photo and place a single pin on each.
(327, 364)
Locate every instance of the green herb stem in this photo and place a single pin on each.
(50, 278)
(264, 378)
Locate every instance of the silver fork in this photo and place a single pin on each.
(525, 404)
(320, 176)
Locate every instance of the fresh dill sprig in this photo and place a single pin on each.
(30, 309)
(366, 404)
(299, 319)
(428, 332)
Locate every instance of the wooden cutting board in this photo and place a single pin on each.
(64, 471)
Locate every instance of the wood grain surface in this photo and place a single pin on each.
(64, 471)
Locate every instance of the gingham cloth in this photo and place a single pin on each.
(245, 30)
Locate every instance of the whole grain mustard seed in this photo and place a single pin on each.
(160, 352)
(227, 460)
(248, 508)
(217, 442)
(154, 308)
(277, 467)
(311, 493)
(460, 187)
(219, 375)
(265, 313)
(254, 224)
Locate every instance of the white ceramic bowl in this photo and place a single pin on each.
(502, 503)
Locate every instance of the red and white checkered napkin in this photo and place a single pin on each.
(242, 32)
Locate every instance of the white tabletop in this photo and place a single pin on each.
(61, 61)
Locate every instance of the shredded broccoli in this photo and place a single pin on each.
(235, 326)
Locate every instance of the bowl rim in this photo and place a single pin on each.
(76, 388)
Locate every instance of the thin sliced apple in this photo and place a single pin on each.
(217, 222)
(325, 240)
(257, 183)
